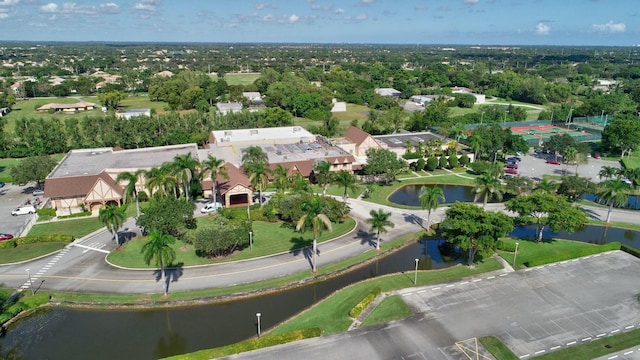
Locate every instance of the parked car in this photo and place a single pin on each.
(511, 166)
(553, 162)
(4, 237)
(211, 207)
(597, 156)
(1, 184)
(38, 192)
(511, 171)
(510, 162)
(23, 210)
(516, 158)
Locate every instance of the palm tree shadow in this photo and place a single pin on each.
(124, 236)
(171, 274)
(304, 247)
(366, 238)
(592, 214)
(415, 220)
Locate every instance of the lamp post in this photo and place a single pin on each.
(250, 242)
(258, 316)
(515, 254)
(415, 274)
(30, 282)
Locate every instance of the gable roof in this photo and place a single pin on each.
(75, 186)
(236, 177)
(355, 135)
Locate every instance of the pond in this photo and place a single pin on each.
(633, 201)
(150, 334)
(409, 195)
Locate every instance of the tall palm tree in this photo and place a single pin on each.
(614, 193)
(608, 172)
(160, 181)
(253, 155)
(281, 178)
(379, 221)
(112, 217)
(316, 220)
(546, 186)
(258, 177)
(569, 155)
(158, 249)
(212, 166)
(184, 167)
(487, 185)
(430, 198)
(345, 180)
(476, 143)
(322, 170)
(130, 188)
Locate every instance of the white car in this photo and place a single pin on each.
(38, 192)
(23, 210)
(211, 207)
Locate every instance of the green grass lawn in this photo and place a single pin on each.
(240, 78)
(29, 251)
(332, 314)
(632, 161)
(391, 308)
(6, 164)
(76, 228)
(268, 239)
(550, 251)
(499, 350)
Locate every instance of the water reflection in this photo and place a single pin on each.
(409, 194)
(632, 201)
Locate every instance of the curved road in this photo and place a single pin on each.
(81, 266)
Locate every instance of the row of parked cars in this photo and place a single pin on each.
(511, 165)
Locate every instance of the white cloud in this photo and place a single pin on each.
(322, 7)
(367, 2)
(471, 2)
(49, 8)
(7, 3)
(339, 11)
(356, 19)
(265, 5)
(293, 18)
(610, 27)
(542, 29)
(150, 6)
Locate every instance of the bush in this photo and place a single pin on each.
(432, 164)
(80, 214)
(453, 161)
(142, 196)
(464, 160)
(505, 246)
(46, 212)
(480, 167)
(43, 238)
(443, 162)
(420, 164)
(8, 244)
(357, 310)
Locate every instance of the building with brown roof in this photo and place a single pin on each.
(68, 108)
(73, 193)
(362, 141)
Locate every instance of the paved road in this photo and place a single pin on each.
(533, 311)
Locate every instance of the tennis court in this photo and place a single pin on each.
(539, 133)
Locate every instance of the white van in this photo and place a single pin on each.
(23, 210)
(211, 207)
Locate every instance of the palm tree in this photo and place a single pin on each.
(316, 220)
(430, 198)
(379, 221)
(212, 166)
(322, 170)
(546, 186)
(112, 217)
(569, 156)
(281, 178)
(614, 193)
(184, 166)
(476, 143)
(345, 180)
(130, 189)
(160, 180)
(487, 185)
(258, 177)
(253, 155)
(159, 250)
(608, 172)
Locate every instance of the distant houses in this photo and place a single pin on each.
(133, 113)
(68, 108)
(388, 92)
(231, 107)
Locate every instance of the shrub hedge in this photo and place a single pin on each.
(80, 214)
(8, 244)
(357, 310)
(43, 238)
(505, 246)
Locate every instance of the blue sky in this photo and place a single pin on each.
(474, 22)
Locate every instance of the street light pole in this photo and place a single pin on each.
(30, 282)
(250, 242)
(515, 254)
(258, 316)
(415, 274)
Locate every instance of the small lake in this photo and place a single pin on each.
(633, 201)
(409, 195)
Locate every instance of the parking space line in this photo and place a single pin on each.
(436, 288)
(407, 294)
(539, 352)
(571, 343)
(612, 357)
(524, 356)
(420, 291)
(586, 339)
(628, 352)
(601, 335)
(476, 280)
(615, 331)
(464, 282)
(501, 275)
(555, 348)
(450, 285)
(629, 327)
(491, 277)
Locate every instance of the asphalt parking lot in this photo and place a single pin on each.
(534, 165)
(10, 197)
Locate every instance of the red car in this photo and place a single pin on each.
(511, 166)
(4, 237)
(597, 156)
(553, 162)
(511, 171)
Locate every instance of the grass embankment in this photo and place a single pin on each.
(275, 283)
(76, 228)
(29, 251)
(23, 302)
(391, 308)
(532, 253)
(268, 239)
